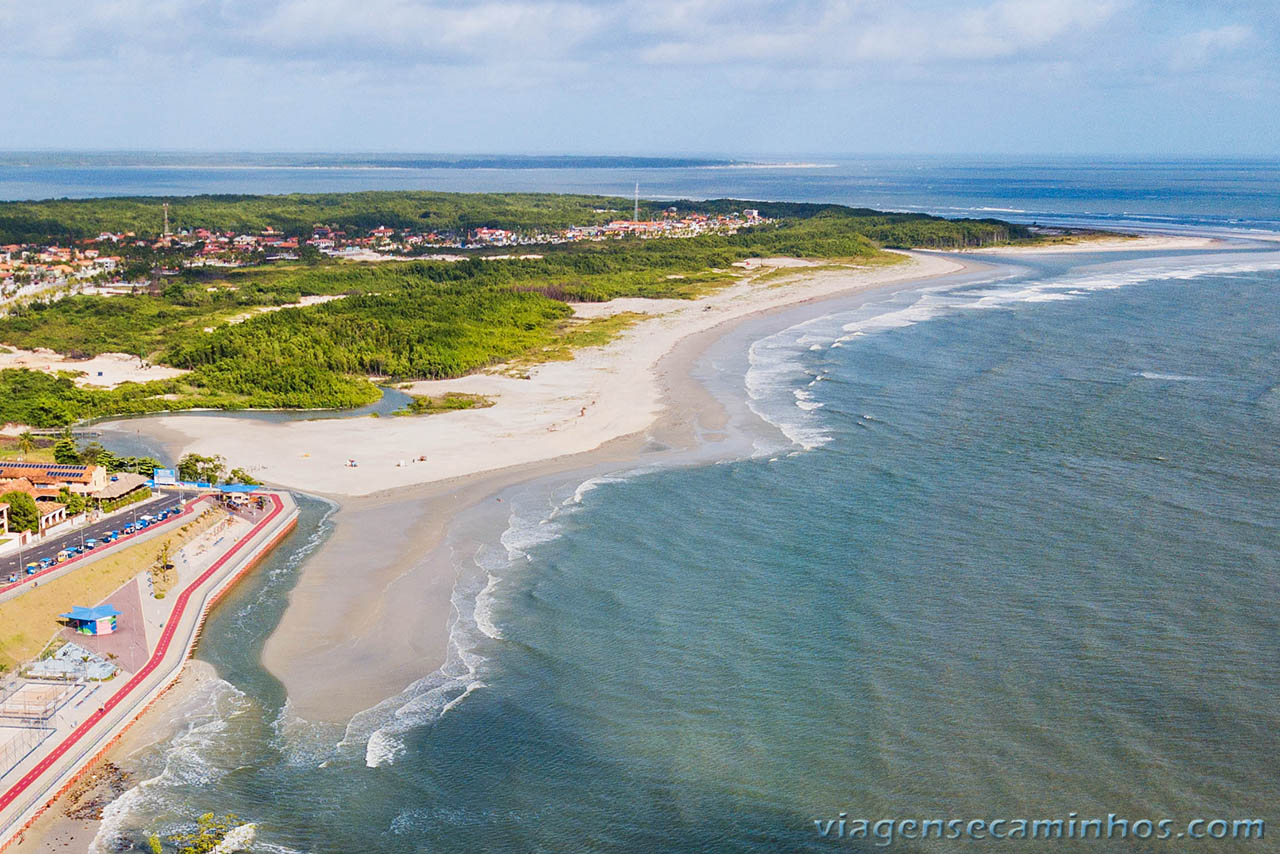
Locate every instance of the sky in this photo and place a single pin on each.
(714, 77)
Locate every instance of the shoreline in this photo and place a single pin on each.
(302, 650)
(400, 632)
(395, 621)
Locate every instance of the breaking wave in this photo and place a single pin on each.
(781, 370)
(474, 625)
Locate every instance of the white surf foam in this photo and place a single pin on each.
(1153, 375)
(381, 730)
(484, 609)
(303, 743)
(189, 758)
(777, 363)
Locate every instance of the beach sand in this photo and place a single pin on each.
(1144, 243)
(104, 371)
(391, 594)
(563, 408)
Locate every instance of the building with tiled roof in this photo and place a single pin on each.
(82, 480)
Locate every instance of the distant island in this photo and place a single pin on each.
(307, 301)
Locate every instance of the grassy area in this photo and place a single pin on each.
(575, 334)
(9, 453)
(452, 401)
(27, 622)
(778, 276)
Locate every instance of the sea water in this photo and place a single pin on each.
(1232, 196)
(995, 547)
(1010, 552)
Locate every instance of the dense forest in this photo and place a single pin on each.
(296, 214)
(73, 219)
(401, 320)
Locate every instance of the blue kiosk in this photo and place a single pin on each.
(100, 620)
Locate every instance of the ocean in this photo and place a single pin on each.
(1228, 196)
(999, 547)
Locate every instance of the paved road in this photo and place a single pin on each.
(73, 536)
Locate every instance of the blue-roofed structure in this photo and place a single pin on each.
(99, 620)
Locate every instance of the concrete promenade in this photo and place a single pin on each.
(29, 788)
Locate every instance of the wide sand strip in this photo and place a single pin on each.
(563, 408)
(384, 576)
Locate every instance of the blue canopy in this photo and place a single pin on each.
(101, 612)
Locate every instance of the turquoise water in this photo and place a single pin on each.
(1000, 549)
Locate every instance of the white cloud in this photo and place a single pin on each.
(1197, 49)
(844, 31)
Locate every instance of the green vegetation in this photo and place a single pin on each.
(398, 320)
(209, 833)
(576, 333)
(74, 503)
(447, 402)
(200, 469)
(239, 475)
(125, 500)
(891, 230)
(71, 219)
(23, 513)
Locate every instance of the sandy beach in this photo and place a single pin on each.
(1145, 243)
(634, 391)
(563, 408)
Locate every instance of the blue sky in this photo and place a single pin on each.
(739, 77)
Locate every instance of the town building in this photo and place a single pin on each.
(122, 485)
(82, 480)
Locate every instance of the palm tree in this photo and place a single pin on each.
(26, 443)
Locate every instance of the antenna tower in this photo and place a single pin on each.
(166, 220)
(636, 215)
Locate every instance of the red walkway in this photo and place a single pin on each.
(157, 657)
